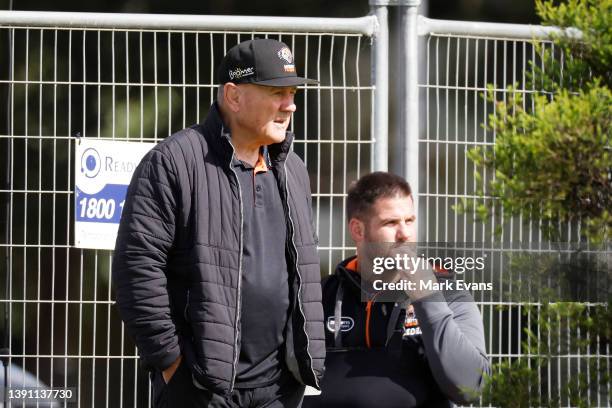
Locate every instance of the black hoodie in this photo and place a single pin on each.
(430, 356)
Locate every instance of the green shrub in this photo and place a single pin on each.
(552, 162)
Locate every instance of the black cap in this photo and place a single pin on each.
(262, 62)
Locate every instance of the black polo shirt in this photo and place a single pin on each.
(265, 287)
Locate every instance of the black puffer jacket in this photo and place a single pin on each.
(177, 262)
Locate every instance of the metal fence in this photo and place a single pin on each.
(141, 78)
(465, 65)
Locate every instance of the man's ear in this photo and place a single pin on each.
(357, 230)
(231, 96)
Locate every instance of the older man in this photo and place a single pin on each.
(216, 270)
(423, 353)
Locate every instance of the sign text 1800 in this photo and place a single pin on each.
(98, 208)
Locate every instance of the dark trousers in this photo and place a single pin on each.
(181, 392)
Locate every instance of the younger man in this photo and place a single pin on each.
(427, 352)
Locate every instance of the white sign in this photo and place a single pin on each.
(103, 170)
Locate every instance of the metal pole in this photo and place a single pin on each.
(380, 81)
(5, 349)
(477, 28)
(358, 25)
(409, 95)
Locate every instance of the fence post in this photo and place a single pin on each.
(5, 346)
(409, 95)
(380, 82)
(408, 104)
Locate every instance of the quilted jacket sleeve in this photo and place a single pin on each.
(453, 336)
(145, 238)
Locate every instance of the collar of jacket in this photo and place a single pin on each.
(348, 278)
(219, 139)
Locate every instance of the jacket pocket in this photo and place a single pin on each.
(177, 373)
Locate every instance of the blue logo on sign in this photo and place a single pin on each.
(90, 163)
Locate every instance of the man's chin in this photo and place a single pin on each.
(277, 137)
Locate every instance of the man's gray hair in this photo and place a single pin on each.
(220, 91)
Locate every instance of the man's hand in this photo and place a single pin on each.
(169, 372)
(422, 276)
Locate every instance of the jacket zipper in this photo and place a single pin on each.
(186, 311)
(238, 300)
(297, 270)
(368, 315)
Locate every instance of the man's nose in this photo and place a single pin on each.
(403, 233)
(288, 104)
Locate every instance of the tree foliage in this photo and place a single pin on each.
(524, 382)
(552, 162)
(589, 57)
(552, 157)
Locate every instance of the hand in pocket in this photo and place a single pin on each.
(169, 372)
